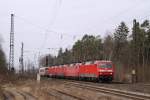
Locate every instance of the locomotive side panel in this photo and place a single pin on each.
(72, 71)
(88, 71)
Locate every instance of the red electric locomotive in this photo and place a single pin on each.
(106, 70)
(97, 70)
(72, 71)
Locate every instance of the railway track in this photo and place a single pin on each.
(116, 92)
(61, 95)
(27, 96)
(17, 95)
(8, 95)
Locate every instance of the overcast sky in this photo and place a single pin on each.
(43, 24)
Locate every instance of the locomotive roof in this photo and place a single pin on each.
(43, 67)
(102, 61)
(83, 63)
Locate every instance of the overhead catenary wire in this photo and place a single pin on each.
(51, 31)
(43, 28)
(59, 3)
(129, 9)
(129, 21)
(54, 32)
(46, 31)
(62, 33)
(56, 12)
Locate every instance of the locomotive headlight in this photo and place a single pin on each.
(106, 71)
(102, 70)
(111, 73)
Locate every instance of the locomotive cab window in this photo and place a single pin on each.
(105, 66)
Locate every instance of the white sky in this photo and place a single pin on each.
(35, 21)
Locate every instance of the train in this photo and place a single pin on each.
(100, 70)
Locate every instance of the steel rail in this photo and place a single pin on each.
(8, 95)
(27, 96)
(58, 94)
(126, 94)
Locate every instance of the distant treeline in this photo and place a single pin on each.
(127, 49)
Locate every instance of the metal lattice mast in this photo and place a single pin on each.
(11, 52)
(21, 62)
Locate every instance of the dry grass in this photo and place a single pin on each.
(41, 90)
(1, 95)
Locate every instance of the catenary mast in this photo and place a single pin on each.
(11, 52)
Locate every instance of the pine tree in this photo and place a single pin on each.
(120, 40)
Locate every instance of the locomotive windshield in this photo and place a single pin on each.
(105, 65)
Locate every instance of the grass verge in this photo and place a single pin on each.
(1, 93)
